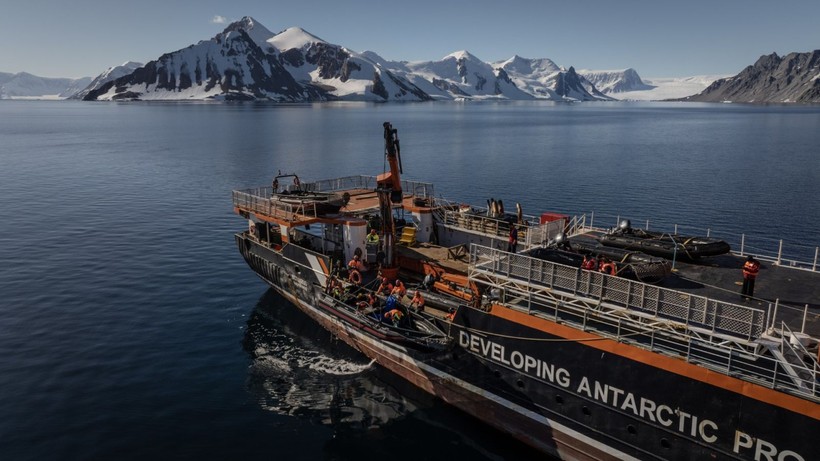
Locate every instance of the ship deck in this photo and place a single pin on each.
(795, 291)
(452, 260)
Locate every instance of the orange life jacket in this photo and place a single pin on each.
(589, 264)
(750, 269)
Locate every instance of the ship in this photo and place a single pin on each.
(579, 364)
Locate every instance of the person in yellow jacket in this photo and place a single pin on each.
(394, 316)
(372, 237)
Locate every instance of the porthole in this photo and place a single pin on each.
(497, 374)
(586, 411)
(665, 444)
(559, 400)
(631, 429)
(520, 384)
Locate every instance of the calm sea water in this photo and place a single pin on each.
(130, 328)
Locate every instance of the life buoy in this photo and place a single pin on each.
(355, 277)
(609, 268)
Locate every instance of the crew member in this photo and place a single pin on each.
(372, 237)
(589, 263)
(371, 299)
(513, 241)
(750, 269)
(385, 287)
(394, 315)
(417, 302)
(399, 290)
(357, 264)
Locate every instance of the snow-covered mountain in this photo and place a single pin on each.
(247, 61)
(615, 81)
(25, 85)
(112, 73)
(462, 75)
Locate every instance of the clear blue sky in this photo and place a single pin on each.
(659, 38)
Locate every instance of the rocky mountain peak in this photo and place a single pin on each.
(772, 79)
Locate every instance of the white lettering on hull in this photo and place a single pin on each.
(687, 424)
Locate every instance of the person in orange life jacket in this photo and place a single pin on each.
(589, 263)
(750, 269)
(513, 241)
(394, 316)
(385, 287)
(417, 302)
(607, 266)
(357, 264)
(399, 291)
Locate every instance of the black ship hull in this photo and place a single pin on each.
(563, 391)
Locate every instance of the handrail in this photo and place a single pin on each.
(258, 201)
(365, 182)
(799, 350)
(713, 334)
(718, 317)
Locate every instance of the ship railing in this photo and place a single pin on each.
(715, 316)
(799, 364)
(476, 220)
(258, 201)
(774, 250)
(364, 182)
(576, 225)
(730, 343)
(726, 357)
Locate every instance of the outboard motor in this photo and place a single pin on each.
(561, 241)
(625, 226)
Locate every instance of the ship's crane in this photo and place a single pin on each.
(388, 190)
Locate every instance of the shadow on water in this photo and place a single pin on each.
(297, 369)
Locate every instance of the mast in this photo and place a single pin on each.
(388, 189)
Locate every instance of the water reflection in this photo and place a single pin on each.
(297, 369)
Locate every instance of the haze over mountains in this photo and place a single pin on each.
(24, 85)
(246, 61)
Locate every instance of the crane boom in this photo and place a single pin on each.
(389, 192)
(392, 151)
